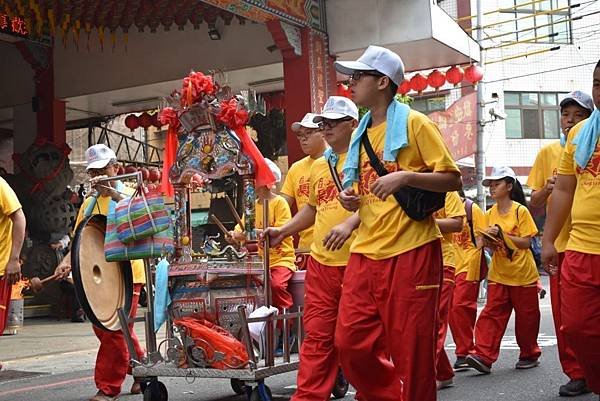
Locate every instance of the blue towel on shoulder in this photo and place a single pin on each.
(587, 139)
(330, 156)
(396, 138)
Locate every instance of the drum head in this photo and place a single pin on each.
(101, 287)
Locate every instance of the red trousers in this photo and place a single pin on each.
(580, 312)
(566, 355)
(112, 361)
(389, 308)
(319, 361)
(463, 314)
(443, 366)
(492, 322)
(5, 290)
(280, 276)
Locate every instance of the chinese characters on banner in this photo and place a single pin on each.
(458, 125)
(13, 25)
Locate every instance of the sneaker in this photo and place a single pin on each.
(527, 363)
(477, 363)
(444, 383)
(542, 293)
(573, 388)
(100, 396)
(136, 388)
(461, 363)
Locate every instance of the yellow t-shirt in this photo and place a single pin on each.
(468, 257)
(9, 203)
(283, 254)
(521, 270)
(585, 213)
(323, 196)
(544, 167)
(137, 266)
(385, 230)
(453, 207)
(296, 185)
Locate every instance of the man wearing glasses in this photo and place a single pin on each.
(112, 361)
(389, 301)
(295, 186)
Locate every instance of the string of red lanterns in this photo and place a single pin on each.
(144, 120)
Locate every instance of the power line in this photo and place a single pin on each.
(541, 72)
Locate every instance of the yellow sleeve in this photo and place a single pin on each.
(290, 182)
(81, 211)
(9, 203)
(282, 213)
(454, 206)
(567, 160)
(431, 146)
(479, 219)
(536, 179)
(527, 227)
(312, 190)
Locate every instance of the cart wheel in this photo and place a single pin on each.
(261, 392)
(156, 391)
(238, 386)
(341, 386)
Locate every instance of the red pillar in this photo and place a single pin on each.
(308, 75)
(51, 112)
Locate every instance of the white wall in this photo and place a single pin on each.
(16, 77)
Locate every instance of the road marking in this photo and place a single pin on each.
(47, 385)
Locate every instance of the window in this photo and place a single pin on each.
(532, 115)
(429, 105)
(544, 21)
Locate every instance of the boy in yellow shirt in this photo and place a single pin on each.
(333, 234)
(12, 234)
(295, 186)
(389, 300)
(449, 220)
(112, 361)
(578, 189)
(574, 107)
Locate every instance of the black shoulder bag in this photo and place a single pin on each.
(417, 203)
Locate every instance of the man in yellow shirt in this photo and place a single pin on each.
(112, 361)
(450, 221)
(12, 234)
(295, 186)
(333, 228)
(578, 189)
(389, 298)
(575, 107)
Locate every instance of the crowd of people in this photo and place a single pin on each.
(396, 250)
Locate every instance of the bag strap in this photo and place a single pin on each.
(469, 212)
(335, 176)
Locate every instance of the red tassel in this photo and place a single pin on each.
(263, 175)
(169, 157)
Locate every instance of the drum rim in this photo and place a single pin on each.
(78, 282)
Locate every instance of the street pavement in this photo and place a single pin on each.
(59, 359)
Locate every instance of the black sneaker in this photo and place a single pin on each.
(527, 363)
(573, 388)
(461, 363)
(477, 363)
(542, 293)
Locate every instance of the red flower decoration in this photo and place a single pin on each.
(231, 115)
(168, 116)
(195, 86)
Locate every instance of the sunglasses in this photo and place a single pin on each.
(334, 123)
(357, 75)
(95, 172)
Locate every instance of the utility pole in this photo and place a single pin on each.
(480, 154)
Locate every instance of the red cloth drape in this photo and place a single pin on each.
(263, 175)
(169, 157)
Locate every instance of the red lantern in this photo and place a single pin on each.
(418, 83)
(436, 79)
(154, 174)
(131, 122)
(145, 120)
(145, 173)
(156, 121)
(474, 74)
(130, 169)
(343, 90)
(404, 87)
(455, 75)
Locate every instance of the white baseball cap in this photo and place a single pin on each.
(499, 173)
(274, 169)
(579, 97)
(337, 107)
(375, 58)
(98, 156)
(307, 122)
